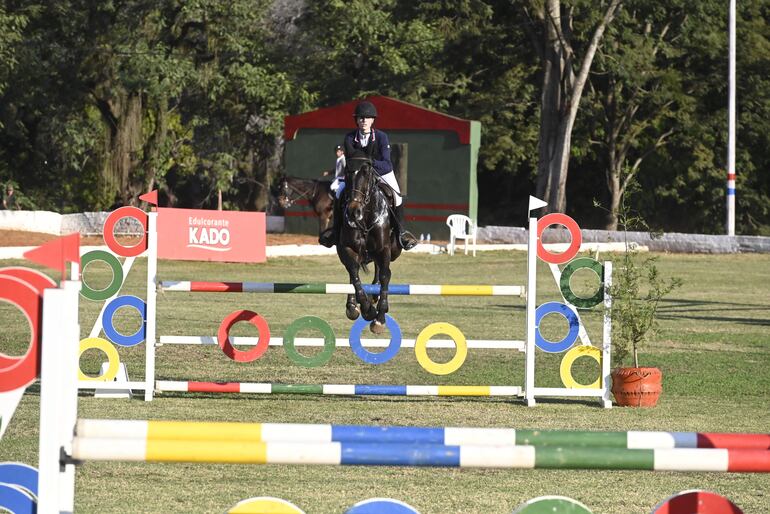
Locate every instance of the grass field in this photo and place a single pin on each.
(713, 349)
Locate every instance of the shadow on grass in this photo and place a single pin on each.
(687, 309)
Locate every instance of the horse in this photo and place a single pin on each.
(366, 236)
(317, 193)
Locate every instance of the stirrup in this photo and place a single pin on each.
(407, 240)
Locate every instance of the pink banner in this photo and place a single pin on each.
(203, 235)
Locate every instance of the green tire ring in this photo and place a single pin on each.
(306, 322)
(566, 276)
(552, 505)
(117, 275)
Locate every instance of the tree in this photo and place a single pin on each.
(637, 92)
(564, 75)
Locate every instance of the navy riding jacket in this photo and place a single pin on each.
(378, 150)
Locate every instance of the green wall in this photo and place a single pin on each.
(440, 171)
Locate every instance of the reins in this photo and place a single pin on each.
(292, 189)
(370, 186)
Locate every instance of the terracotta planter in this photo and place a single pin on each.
(636, 387)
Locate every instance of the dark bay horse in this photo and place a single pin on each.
(290, 190)
(366, 236)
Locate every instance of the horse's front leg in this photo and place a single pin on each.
(383, 274)
(368, 310)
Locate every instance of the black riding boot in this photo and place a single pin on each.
(331, 236)
(405, 238)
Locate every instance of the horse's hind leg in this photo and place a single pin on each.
(376, 281)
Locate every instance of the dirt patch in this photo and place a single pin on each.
(21, 238)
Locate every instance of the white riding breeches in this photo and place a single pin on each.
(337, 187)
(390, 179)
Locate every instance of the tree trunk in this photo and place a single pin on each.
(154, 154)
(267, 162)
(562, 90)
(122, 115)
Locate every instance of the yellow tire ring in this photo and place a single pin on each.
(565, 370)
(109, 350)
(421, 348)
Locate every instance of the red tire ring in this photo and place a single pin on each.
(109, 227)
(223, 336)
(32, 277)
(37, 280)
(558, 218)
(696, 502)
(18, 372)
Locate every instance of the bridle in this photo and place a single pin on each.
(287, 190)
(362, 196)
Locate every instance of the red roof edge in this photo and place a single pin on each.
(392, 115)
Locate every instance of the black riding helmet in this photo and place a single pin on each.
(365, 110)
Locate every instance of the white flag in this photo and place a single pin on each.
(535, 203)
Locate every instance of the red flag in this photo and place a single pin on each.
(57, 253)
(151, 197)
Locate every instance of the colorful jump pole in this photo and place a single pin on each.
(397, 454)
(331, 433)
(321, 288)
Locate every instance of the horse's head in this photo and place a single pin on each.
(361, 184)
(283, 192)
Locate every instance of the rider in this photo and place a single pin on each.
(374, 144)
(339, 171)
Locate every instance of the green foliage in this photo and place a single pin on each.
(638, 287)
(11, 34)
(214, 79)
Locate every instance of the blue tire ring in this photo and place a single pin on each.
(566, 289)
(375, 357)
(109, 312)
(117, 275)
(569, 339)
(19, 475)
(306, 322)
(381, 506)
(16, 500)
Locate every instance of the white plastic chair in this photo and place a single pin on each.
(461, 227)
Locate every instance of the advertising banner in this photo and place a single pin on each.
(206, 235)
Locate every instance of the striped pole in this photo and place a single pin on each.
(321, 288)
(489, 344)
(464, 456)
(335, 389)
(730, 225)
(330, 433)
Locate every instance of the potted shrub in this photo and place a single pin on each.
(637, 289)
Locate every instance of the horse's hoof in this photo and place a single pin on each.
(352, 312)
(376, 327)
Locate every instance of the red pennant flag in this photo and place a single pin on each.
(57, 253)
(151, 197)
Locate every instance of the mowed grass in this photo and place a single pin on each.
(713, 348)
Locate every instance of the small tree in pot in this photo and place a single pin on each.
(637, 290)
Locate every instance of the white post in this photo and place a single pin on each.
(150, 312)
(58, 397)
(529, 370)
(607, 337)
(731, 125)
